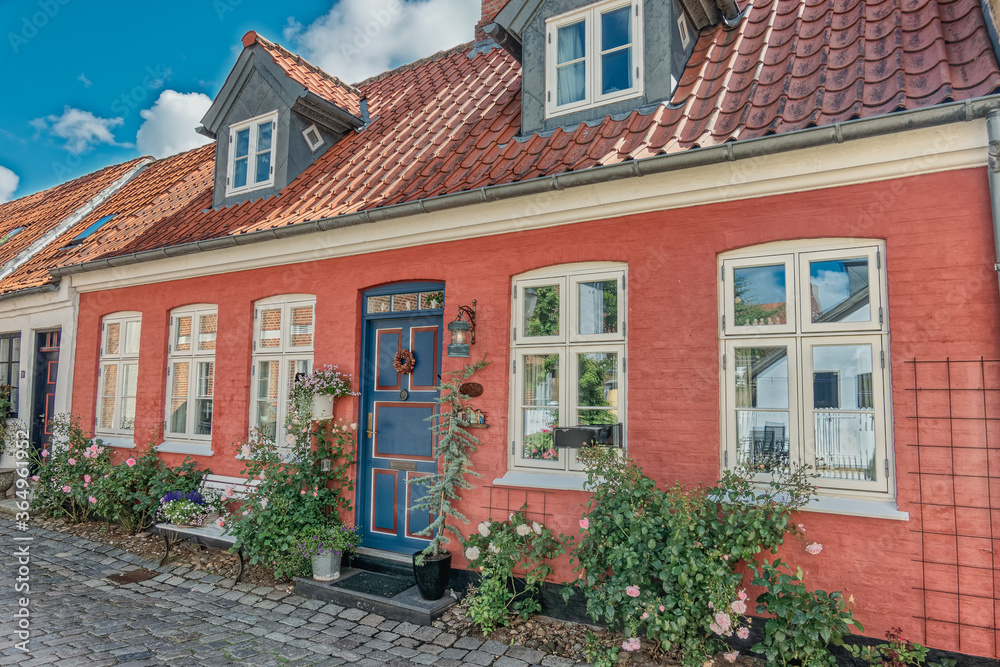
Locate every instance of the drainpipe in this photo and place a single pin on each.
(993, 171)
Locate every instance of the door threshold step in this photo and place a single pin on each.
(392, 596)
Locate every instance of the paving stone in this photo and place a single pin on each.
(372, 620)
(387, 636)
(323, 618)
(353, 614)
(406, 629)
(443, 639)
(403, 652)
(454, 653)
(480, 658)
(365, 630)
(494, 647)
(468, 643)
(424, 659)
(509, 662)
(557, 661)
(529, 655)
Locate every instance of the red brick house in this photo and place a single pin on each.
(806, 185)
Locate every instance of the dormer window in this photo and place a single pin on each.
(593, 56)
(251, 164)
(313, 138)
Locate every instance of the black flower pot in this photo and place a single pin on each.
(432, 577)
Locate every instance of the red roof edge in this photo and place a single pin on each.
(249, 39)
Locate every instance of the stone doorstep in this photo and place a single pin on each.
(407, 606)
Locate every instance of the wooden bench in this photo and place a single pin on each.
(209, 535)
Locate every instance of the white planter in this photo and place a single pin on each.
(326, 566)
(322, 407)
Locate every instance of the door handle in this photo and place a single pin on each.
(370, 432)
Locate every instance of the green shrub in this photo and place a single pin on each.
(69, 472)
(513, 557)
(804, 623)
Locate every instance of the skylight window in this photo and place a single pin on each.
(94, 226)
(11, 234)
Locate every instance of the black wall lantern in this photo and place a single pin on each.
(463, 333)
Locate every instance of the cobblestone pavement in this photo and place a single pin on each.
(188, 617)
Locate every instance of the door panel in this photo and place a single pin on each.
(43, 397)
(398, 444)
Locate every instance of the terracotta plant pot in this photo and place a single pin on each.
(432, 577)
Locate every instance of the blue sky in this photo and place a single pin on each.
(89, 84)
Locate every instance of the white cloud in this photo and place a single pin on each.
(81, 129)
(169, 126)
(8, 184)
(87, 83)
(360, 38)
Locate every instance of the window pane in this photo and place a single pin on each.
(598, 307)
(4, 349)
(263, 167)
(537, 434)
(15, 349)
(843, 418)
(571, 42)
(240, 173)
(541, 311)
(598, 378)
(839, 290)
(130, 384)
(182, 343)
(598, 417)
(404, 302)
(270, 328)
(207, 327)
(379, 304)
(267, 380)
(132, 337)
(429, 300)
(616, 71)
(178, 397)
(109, 383)
(243, 143)
(541, 379)
(302, 326)
(264, 136)
(203, 405)
(296, 367)
(759, 295)
(267, 419)
(112, 337)
(571, 83)
(762, 420)
(616, 28)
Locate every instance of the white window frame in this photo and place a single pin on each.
(591, 14)
(800, 335)
(313, 145)
(188, 441)
(284, 354)
(117, 435)
(252, 124)
(567, 344)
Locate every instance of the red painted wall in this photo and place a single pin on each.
(943, 301)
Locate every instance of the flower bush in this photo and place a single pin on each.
(67, 472)
(513, 557)
(897, 652)
(661, 563)
(326, 380)
(294, 494)
(184, 508)
(338, 539)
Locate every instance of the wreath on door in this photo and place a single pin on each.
(404, 361)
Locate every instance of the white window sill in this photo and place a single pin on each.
(285, 456)
(873, 509)
(539, 480)
(122, 442)
(192, 448)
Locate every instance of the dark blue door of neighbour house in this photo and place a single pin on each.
(397, 443)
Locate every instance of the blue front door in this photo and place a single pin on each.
(397, 443)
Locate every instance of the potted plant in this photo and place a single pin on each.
(325, 547)
(324, 385)
(432, 566)
(184, 508)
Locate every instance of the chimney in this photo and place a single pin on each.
(490, 9)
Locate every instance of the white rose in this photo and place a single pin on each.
(523, 529)
(494, 549)
(484, 529)
(472, 553)
(535, 526)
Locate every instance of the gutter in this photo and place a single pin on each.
(28, 291)
(993, 174)
(826, 135)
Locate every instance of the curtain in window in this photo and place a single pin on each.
(572, 78)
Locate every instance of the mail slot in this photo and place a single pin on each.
(577, 437)
(403, 465)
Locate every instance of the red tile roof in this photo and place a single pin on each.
(450, 123)
(314, 79)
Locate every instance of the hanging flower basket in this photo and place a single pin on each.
(322, 407)
(404, 361)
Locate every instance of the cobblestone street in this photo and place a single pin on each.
(184, 617)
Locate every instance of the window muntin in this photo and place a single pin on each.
(251, 159)
(10, 369)
(118, 374)
(565, 372)
(284, 329)
(811, 388)
(191, 373)
(593, 56)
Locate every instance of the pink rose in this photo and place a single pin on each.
(86, 478)
(632, 591)
(72, 462)
(34, 478)
(585, 523)
(743, 633)
(130, 462)
(739, 606)
(45, 453)
(302, 492)
(814, 548)
(632, 644)
(645, 615)
(742, 595)
(731, 657)
(92, 500)
(228, 491)
(662, 608)
(65, 489)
